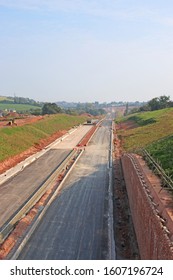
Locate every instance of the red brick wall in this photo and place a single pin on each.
(152, 234)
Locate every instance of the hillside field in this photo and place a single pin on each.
(18, 107)
(4, 98)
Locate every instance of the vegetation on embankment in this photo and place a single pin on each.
(153, 132)
(14, 140)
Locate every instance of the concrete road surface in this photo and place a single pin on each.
(74, 226)
(15, 191)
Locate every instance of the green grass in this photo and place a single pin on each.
(154, 132)
(14, 140)
(18, 107)
(152, 126)
(162, 151)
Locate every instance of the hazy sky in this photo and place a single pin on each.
(86, 50)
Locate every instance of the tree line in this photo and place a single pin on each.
(156, 103)
(43, 108)
(21, 100)
(52, 108)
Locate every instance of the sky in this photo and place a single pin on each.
(86, 50)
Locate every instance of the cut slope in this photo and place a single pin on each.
(154, 132)
(152, 126)
(31, 137)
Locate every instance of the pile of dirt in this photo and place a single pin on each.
(86, 115)
(127, 125)
(20, 120)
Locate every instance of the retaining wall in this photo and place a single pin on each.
(153, 225)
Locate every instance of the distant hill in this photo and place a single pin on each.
(19, 104)
(4, 99)
(19, 100)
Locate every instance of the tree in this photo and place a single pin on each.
(164, 101)
(127, 109)
(154, 104)
(158, 103)
(36, 112)
(50, 108)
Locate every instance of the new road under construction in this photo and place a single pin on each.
(81, 198)
(75, 220)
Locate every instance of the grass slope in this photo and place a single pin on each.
(14, 140)
(154, 133)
